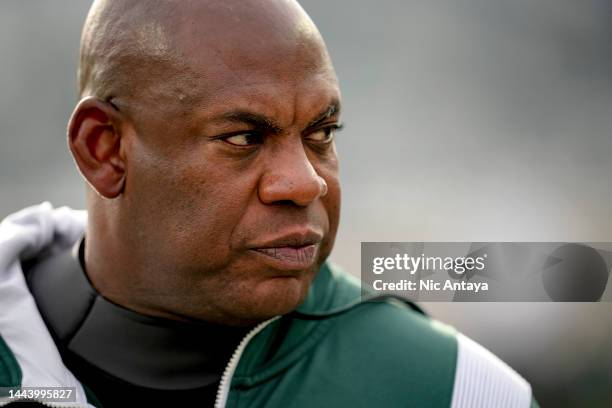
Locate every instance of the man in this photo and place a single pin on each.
(198, 275)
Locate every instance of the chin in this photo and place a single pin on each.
(276, 296)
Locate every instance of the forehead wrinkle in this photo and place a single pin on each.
(167, 86)
(285, 102)
(164, 52)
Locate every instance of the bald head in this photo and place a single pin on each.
(148, 48)
(205, 131)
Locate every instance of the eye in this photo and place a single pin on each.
(244, 139)
(324, 135)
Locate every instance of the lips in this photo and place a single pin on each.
(298, 257)
(291, 252)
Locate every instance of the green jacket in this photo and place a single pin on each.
(336, 350)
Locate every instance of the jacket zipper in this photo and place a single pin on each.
(228, 373)
(230, 369)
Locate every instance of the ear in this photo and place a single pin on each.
(94, 139)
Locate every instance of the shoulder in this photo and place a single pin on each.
(483, 380)
(430, 355)
(390, 321)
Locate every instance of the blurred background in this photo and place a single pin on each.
(467, 120)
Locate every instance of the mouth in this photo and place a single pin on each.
(290, 257)
(290, 252)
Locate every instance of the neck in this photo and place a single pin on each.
(122, 272)
(141, 349)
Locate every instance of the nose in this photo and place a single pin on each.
(291, 177)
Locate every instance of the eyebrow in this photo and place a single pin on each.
(264, 123)
(332, 109)
(251, 118)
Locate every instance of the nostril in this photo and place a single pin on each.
(284, 203)
(298, 183)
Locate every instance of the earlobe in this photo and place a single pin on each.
(94, 139)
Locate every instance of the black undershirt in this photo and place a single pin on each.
(112, 392)
(124, 358)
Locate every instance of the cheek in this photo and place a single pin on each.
(332, 203)
(328, 169)
(208, 209)
(191, 207)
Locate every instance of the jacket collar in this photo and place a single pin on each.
(287, 339)
(331, 292)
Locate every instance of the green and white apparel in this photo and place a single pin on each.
(335, 350)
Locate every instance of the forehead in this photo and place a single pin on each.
(248, 69)
(206, 57)
(285, 103)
